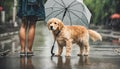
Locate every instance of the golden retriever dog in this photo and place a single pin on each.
(67, 35)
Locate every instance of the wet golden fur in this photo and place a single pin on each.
(67, 35)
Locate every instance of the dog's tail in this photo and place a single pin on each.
(94, 35)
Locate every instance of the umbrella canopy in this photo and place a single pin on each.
(115, 16)
(71, 12)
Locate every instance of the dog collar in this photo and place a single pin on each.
(56, 33)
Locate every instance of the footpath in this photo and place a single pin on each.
(103, 55)
(109, 36)
(6, 31)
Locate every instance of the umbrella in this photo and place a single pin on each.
(115, 16)
(71, 12)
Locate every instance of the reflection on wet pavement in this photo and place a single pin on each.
(102, 55)
(26, 63)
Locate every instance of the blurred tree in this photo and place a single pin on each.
(102, 9)
(7, 7)
(117, 6)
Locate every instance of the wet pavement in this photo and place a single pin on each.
(103, 55)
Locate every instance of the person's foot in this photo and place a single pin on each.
(30, 54)
(22, 53)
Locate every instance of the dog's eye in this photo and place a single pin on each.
(55, 23)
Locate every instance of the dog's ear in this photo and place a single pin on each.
(61, 25)
(48, 24)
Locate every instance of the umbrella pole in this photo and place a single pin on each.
(64, 14)
(66, 9)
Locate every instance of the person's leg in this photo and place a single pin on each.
(31, 35)
(22, 36)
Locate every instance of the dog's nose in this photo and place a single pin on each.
(51, 27)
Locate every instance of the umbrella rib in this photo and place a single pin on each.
(79, 17)
(70, 17)
(71, 3)
(53, 7)
(52, 12)
(58, 3)
(63, 3)
(76, 4)
(79, 11)
(59, 13)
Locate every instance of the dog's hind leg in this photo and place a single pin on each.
(87, 48)
(81, 49)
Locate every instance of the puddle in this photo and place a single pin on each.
(101, 56)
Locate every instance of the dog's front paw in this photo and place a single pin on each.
(68, 55)
(86, 54)
(57, 55)
(79, 54)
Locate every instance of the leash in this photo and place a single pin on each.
(54, 44)
(53, 47)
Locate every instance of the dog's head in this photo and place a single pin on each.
(55, 24)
